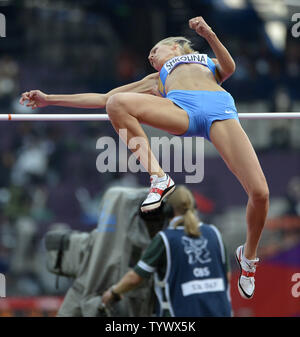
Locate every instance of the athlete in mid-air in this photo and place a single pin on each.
(185, 98)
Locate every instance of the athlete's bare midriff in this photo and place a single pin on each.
(192, 77)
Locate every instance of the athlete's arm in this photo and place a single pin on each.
(147, 85)
(224, 62)
(38, 99)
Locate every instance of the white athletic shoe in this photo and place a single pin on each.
(246, 282)
(158, 191)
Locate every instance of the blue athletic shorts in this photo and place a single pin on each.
(203, 108)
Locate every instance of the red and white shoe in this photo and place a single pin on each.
(246, 281)
(160, 188)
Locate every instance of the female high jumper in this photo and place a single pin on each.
(191, 102)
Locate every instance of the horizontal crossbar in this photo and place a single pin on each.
(104, 117)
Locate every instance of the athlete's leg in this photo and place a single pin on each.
(236, 150)
(128, 110)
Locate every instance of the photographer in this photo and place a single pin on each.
(189, 262)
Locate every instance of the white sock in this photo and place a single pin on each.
(159, 179)
(249, 261)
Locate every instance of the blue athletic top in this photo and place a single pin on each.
(171, 64)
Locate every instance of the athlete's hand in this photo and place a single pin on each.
(199, 25)
(35, 98)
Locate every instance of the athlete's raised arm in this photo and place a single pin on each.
(224, 62)
(38, 99)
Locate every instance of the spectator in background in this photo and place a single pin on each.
(293, 196)
(9, 72)
(189, 262)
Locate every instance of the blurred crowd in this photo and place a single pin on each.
(48, 170)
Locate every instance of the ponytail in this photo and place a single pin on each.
(182, 202)
(191, 223)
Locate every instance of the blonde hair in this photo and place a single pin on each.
(184, 43)
(182, 202)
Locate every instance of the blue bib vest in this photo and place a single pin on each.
(195, 283)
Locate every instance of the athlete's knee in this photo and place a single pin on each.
(260, 194)
(117, 105)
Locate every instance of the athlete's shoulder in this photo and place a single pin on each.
(215, 60)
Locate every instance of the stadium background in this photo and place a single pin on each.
(48, 173)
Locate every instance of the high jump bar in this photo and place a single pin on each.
(104, 117)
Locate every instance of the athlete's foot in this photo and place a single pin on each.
(246, 281)
(160, 188)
